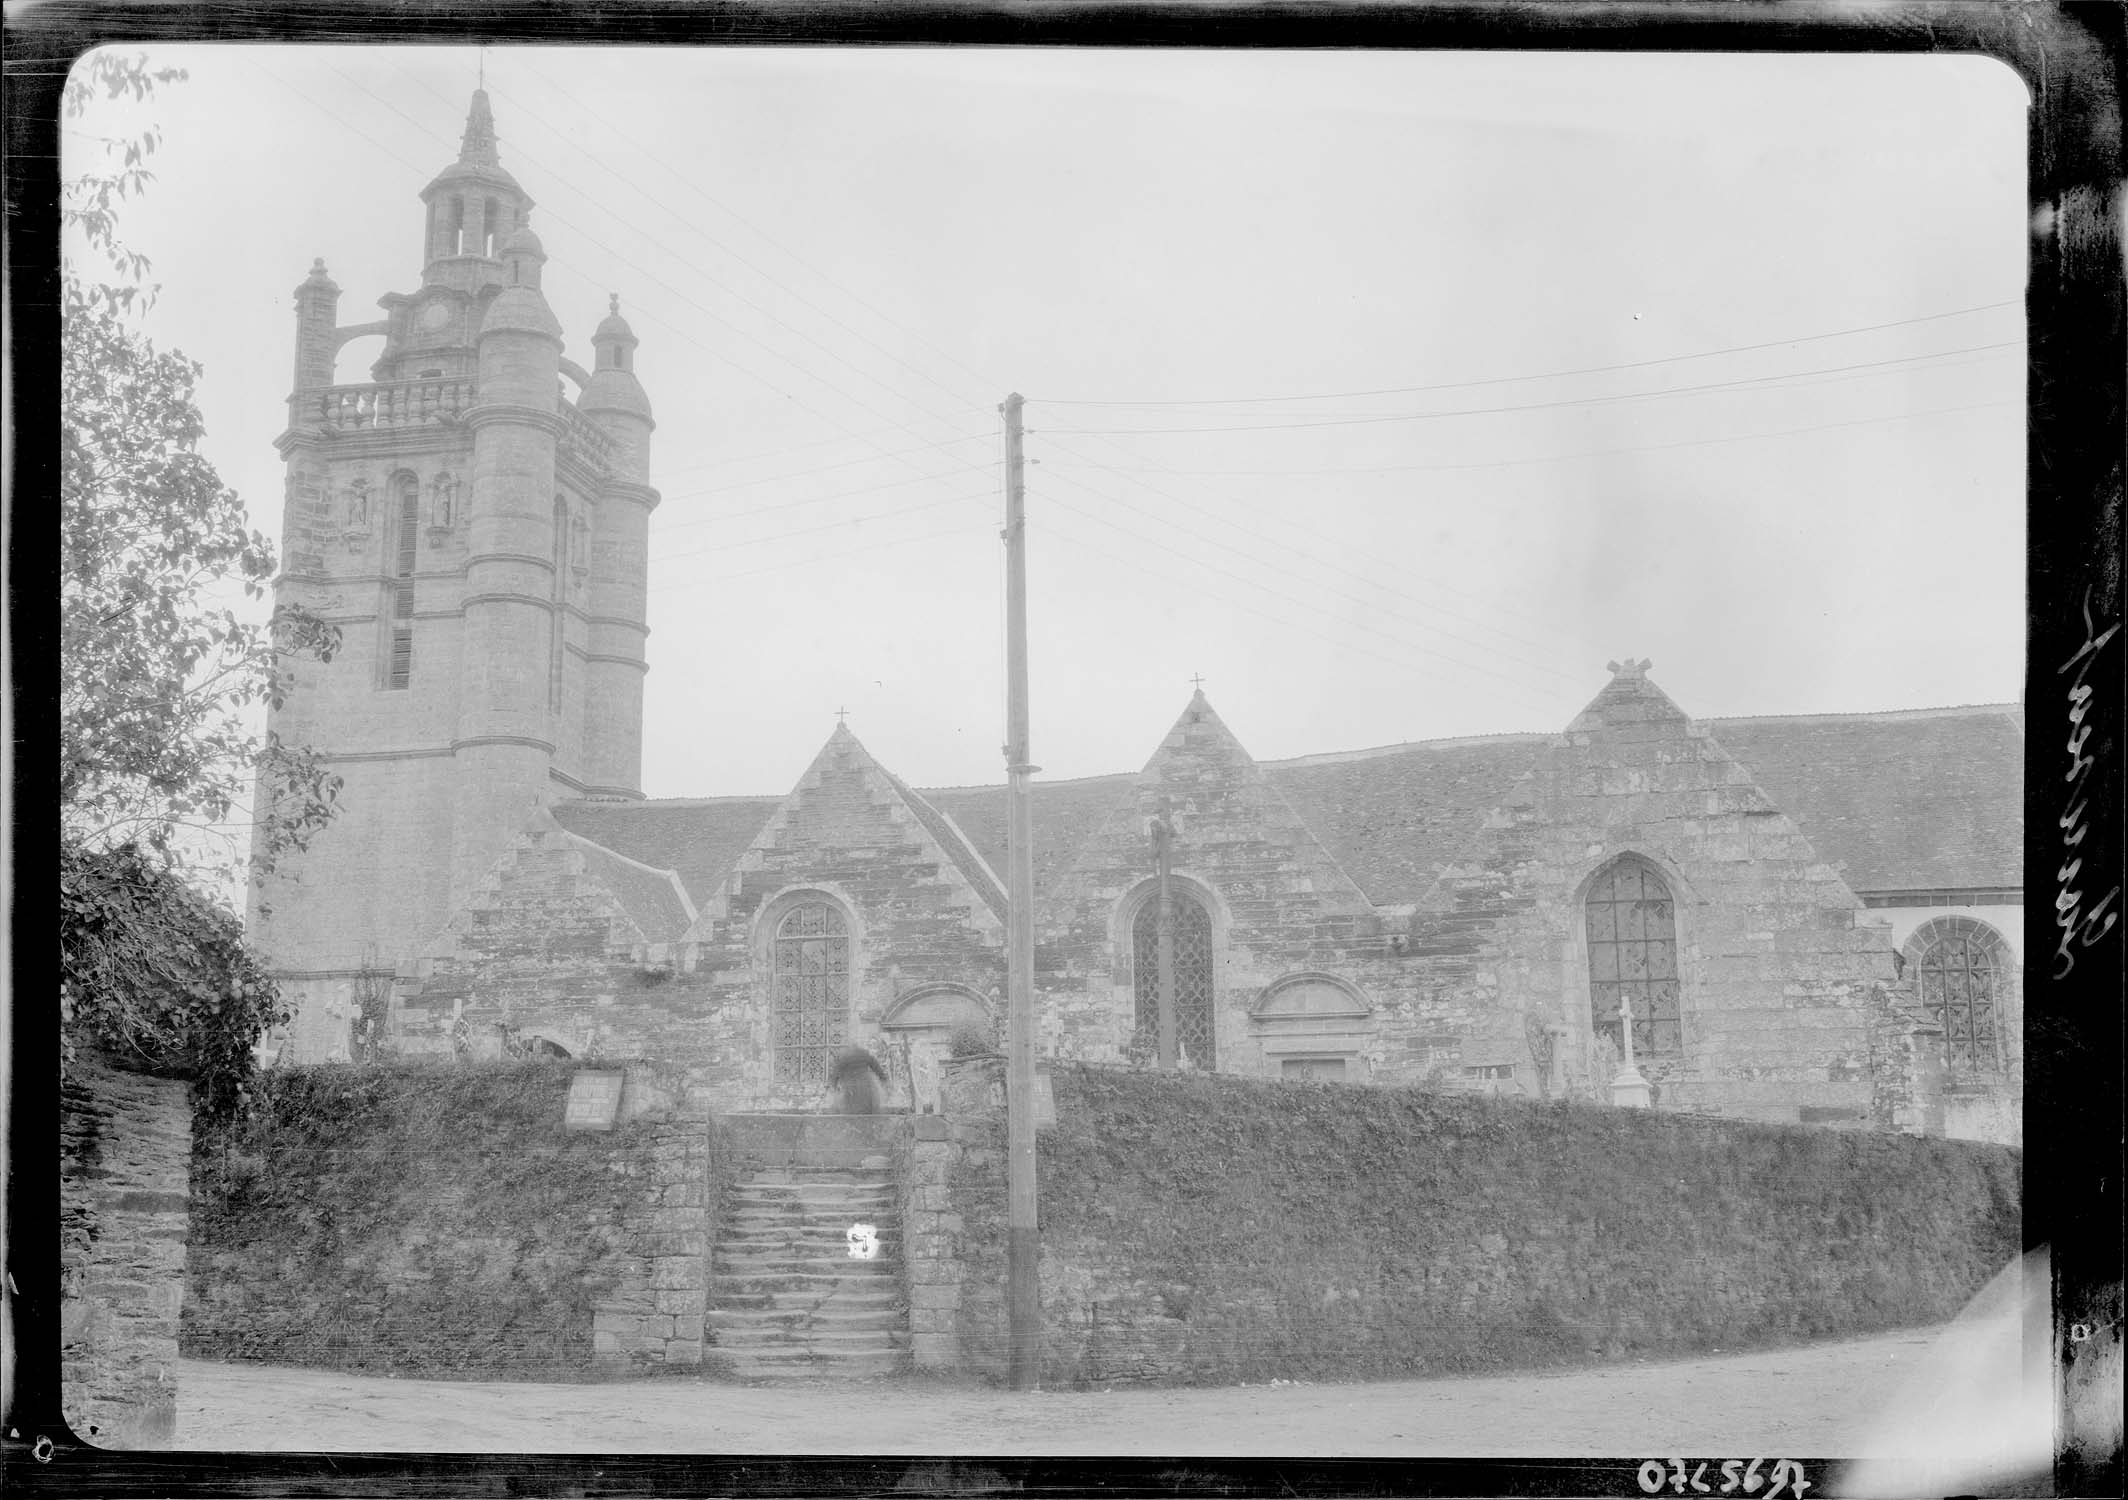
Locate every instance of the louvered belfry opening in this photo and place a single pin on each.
(1632, 931)
(811, 978)
(400, 671)
(1194, 1029)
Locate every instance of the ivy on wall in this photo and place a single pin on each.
(1209, 1228)
(155, 976)
(424, 1219)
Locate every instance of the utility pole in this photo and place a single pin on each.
(1023, 1247)
(1164, 917)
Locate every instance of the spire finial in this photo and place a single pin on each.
(478, 145)
(842, 715)
(613, 303)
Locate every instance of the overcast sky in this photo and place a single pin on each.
(1394, 394)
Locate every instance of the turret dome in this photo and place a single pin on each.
(521, 309)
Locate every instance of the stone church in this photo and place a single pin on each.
(1811, 919)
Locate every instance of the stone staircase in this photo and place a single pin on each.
(787, 1298)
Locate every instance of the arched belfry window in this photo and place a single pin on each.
(1961, 972)
(1632, 932)
(809, 975)
(1195, 1033)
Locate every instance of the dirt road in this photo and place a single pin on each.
(1816, 1400)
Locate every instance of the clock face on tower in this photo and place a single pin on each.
(435, 317)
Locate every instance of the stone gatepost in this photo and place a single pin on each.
(125, 1213)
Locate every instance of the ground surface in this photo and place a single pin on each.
(1817, 1401)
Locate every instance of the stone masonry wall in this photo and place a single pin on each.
(1214, 1230)
(125, 1149)
(438, 1219)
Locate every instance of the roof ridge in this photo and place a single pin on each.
(1879, 715)
(608, 849)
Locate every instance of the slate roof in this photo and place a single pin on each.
(978, 872)
(650, 897)
(1927, 798)
(699, 838)
(1901, 801)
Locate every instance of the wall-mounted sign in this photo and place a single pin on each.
(594, 1100)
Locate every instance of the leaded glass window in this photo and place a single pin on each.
(1194, 1032)
(810, 977)
(1959, 978)
(1632, 932)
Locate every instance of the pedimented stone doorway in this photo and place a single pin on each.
(919, 1035)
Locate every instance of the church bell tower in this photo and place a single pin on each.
(481, 539)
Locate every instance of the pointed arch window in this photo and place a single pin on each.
(1195, 1032)
(809, 976)
(1961, 974)
(1632, 932)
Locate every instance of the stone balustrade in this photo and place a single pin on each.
(397, 403)
(584, 441)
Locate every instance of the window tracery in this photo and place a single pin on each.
(1632, 939)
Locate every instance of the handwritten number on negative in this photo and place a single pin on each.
(1689, 1477)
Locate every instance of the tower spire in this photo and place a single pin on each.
(478, 146)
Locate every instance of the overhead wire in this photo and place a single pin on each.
(1638, 364)
(1793, 378)
(637, 266)
(1553, 458)
(1377, 608)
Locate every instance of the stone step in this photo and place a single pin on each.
(825, 1315)
(801, 1235)
(795, 1275)
(802, 1364)
(825, 1340)
(859, 1297)
(809, 1203)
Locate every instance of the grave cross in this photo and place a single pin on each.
(1625, 1016)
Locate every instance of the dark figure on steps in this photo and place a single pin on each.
(857, 1084)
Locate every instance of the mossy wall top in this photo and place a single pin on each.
(1216, 1229)
(431, 1220)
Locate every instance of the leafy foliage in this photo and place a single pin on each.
(156, 975)
(158, 687)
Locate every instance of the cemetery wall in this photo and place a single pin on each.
(432, 1219)
(1206, 1229)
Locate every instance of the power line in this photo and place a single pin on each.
(812, 558)
(1771, 381)
(687, 180)
(784, 505)
(1255, 586)
(845, 463)
(1373, 606)
(784, 536)
(675, 291)
(1641, 364)
(1344, 642)
(1553, 458)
